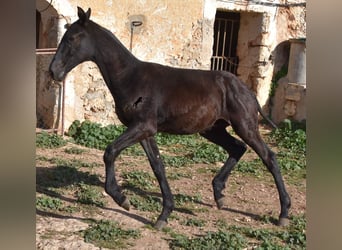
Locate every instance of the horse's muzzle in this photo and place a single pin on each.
(57, 75)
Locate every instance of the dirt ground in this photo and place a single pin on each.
(248, 198)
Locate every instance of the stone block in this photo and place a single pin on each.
(293, 91)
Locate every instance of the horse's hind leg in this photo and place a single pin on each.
(235, 149)
(250, 134)
(156, 163)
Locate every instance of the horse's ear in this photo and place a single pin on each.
(83, 16)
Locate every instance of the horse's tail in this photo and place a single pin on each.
(264, 116)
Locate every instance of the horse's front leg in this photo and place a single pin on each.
(131, 136)
(152, 152)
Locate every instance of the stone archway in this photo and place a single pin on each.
(53, 17)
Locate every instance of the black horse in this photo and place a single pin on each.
(150, 97)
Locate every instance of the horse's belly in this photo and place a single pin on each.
(189, 122)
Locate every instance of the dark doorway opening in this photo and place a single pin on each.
(226, 29)
(38, 23)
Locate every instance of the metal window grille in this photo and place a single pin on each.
(226, 30)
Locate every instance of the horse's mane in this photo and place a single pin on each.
(100, 29)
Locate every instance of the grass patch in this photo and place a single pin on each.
(236, 237)
(182, 199)
(255, 167)
(46, 140)
(138, 179)
(109, 234)
(210, 241)
(75, 150)
(147, 203)
(193, 222)
(177, 176)
(90, 195)
(46, 203)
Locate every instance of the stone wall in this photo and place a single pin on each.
(176, 33)
(290, 95)
(47, 101)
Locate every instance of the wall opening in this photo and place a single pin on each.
(226, 29)
(38, 27)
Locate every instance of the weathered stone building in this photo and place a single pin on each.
(249, 38)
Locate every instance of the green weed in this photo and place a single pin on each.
(138, 179)
(210, 241)
(291, 135)
(176, 161)
(109, 234)
(88, 194)
(94, 135)
(236, 237)
(46, 140)
(193, 222)
(253, 167)
(48, 203)
(209, 153)
(281, 73)
(146, 203)
(74, 150)
(291, 139)
(182, 199)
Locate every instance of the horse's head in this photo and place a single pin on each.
(74, 48)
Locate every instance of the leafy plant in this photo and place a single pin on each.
(47, 203)
(291, 138)
(237, 237)
(210, 241)
(138, 179)
(87, 194)
(291, 135)
(255, 166)
(46, 140)
(94, 135)
(176, 160)
(209, 153)
(109, 234)
(146, 203)
(181, 199)
(193, 222)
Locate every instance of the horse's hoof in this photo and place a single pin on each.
(220, 203)
(283, 222)
(160, 224)
(125, 204)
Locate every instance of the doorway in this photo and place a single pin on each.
(226, 29)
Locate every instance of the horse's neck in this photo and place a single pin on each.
(113, 59)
